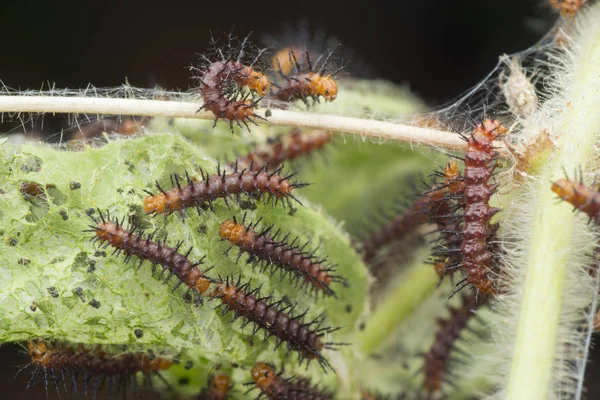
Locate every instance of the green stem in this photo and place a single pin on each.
(553, 227)
(417, 287)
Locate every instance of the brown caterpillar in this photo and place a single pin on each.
(479, 163)
(220, 186)
(279, 254)
(113, 234)
(273, 386)
(217, 78)
(304, 337)
(471, 193)
(296, 144)
(419, 213)
(302, 84)
(218, 388)
(568, 8)
(583, 198)
(447, 255)
(449, 330)
(95, 365)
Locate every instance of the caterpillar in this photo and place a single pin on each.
(447, 254)
(216, 79)
(296, 144)
(302, 84)
(56, 360)
(479, 166)
(568, 8)
(220, 186)
(279, 254)
(134, 244)
(304, 337)
(218, 388)
(420, 212)
(580, 196)
(438, 357)
(282, 59)
(273, 386)
(127, 126)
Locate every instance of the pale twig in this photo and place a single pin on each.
(175, 109)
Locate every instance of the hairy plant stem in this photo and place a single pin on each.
(174, 109)
(548, 257)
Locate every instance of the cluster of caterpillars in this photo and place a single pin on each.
(235, 78)
(306, 338)
(459, 208)
(255, 176)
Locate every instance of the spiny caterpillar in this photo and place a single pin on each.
(217, 81)
(275, 387)
(583, 198)
(302, 84)
(55, 360)
(218, 388)
(304, 337)
(474, 193)
(113, 234)
(568, 8)
(276, 253)
(420, 212)
(447, 255)
(220, 186)
(282, 59)
(296, 144)
(438, 357)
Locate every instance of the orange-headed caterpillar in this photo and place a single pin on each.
(448, 257)
(276, 320)
(438, 356)
(296, 144)
(422, 211)
(275, 387)
(568, 8)
(281, 254)
(582, 197)
(282, 59)
(218, 388)
(55, 360)
(476, 231)
(304, 82)
(112, 233)
(218, 78)
(220, 186)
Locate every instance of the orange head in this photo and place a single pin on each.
(263, 375)
(257, 82)
(451, 171)
(324, 86)
(564, 188)
(108, 231)
(39, 353)
(223, 291)
(157, 203)
(231, 231)
(283, 60)
(221, 382)
(488, 131)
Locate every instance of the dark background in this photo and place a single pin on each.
(440, 47)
